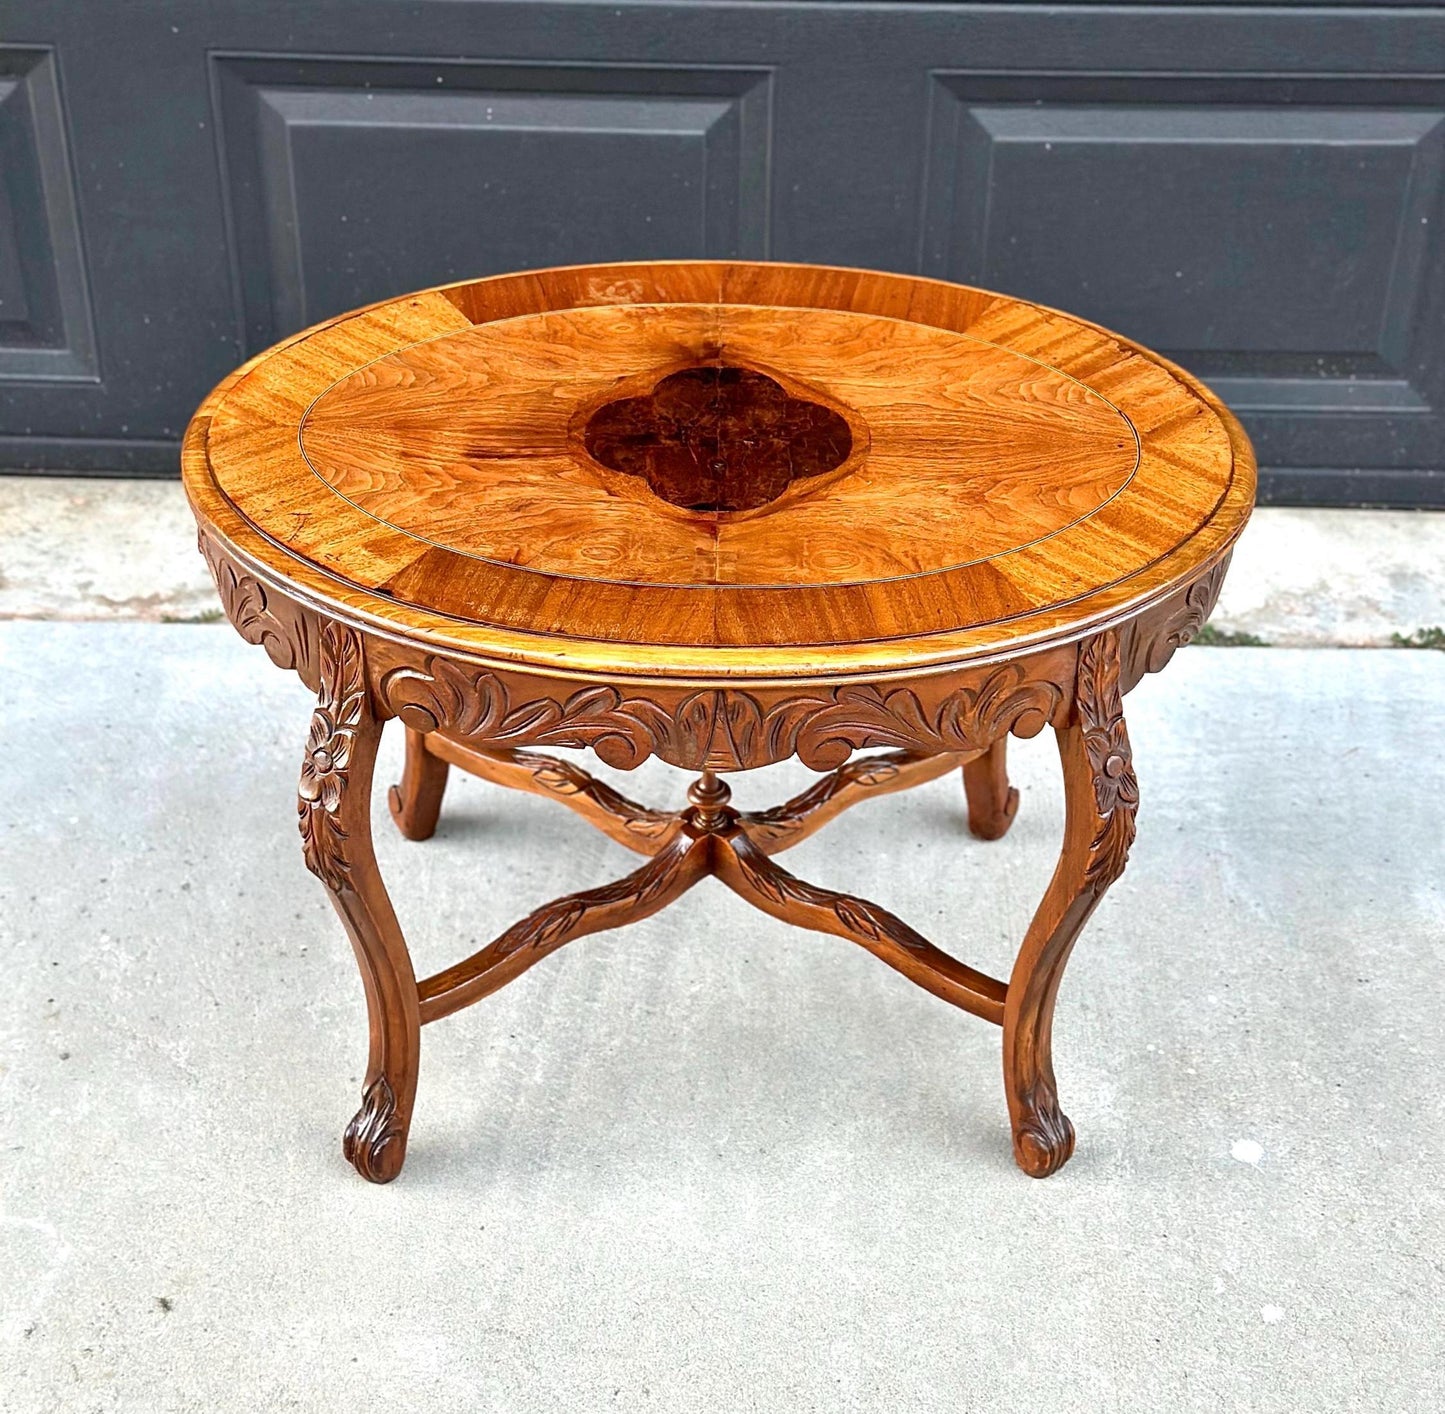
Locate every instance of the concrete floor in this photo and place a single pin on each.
(712, 1163)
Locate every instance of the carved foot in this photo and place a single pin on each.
(1043, 1136)
(416, 802)
(992, 802)
(335, 819)
(1101, 796)
(375, 1141)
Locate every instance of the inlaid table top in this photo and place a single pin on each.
(723, 514)
(741, 470)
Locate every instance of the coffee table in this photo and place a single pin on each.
(723, 514)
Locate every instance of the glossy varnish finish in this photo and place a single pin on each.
(723, 514)
(714, 438)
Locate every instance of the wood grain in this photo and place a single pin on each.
(721, 514)
(716, 439)
(1012, 473)
(334, 814)
(1101, 797)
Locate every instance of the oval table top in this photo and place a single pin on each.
(719, 470)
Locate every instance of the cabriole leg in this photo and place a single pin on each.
(416, 802)
(1101, 797)
(335, 821)
(992, 802)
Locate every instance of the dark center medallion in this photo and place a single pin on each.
(718, 439)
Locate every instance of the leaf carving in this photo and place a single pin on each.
(967, 719)
(341, 701)
(721, 728)
(862, 918)
(1111, 759)
(1184, 623)
(277, 626)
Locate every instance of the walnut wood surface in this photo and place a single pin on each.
(723, 514)
(1101, 798)
(1013, 475)
(334, 814)
(717, 439)
(992, 802)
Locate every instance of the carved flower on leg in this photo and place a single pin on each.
(1111, 761)
(323, 767)
(1114, 781)
(330, 745)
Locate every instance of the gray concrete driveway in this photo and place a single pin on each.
(711, 1163)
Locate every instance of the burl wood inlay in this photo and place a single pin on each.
(718, 439)
(960, 453)
(722, 514)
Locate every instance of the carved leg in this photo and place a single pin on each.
(417, 801)
(1101, 797)
(335, 821)
(992, 802)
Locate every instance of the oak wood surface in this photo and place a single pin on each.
(1012, 475)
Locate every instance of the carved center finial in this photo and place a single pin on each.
(709, 797)
(718, 439)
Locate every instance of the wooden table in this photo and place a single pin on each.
(723, 514)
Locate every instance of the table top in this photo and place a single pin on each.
(697, 469)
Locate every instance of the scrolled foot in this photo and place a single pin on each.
(416, 802)
(993, 823)
(1043, 1135)
(334, 815)
(992, 802)
(1101, 795)
(375, 1141)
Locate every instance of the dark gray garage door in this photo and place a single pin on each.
(1256, 191)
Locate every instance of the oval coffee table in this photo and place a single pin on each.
(723, 514)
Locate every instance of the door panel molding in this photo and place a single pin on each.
(46, 328)
(1279, 237)
(537, 164)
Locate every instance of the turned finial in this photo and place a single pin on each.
(709, 797)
